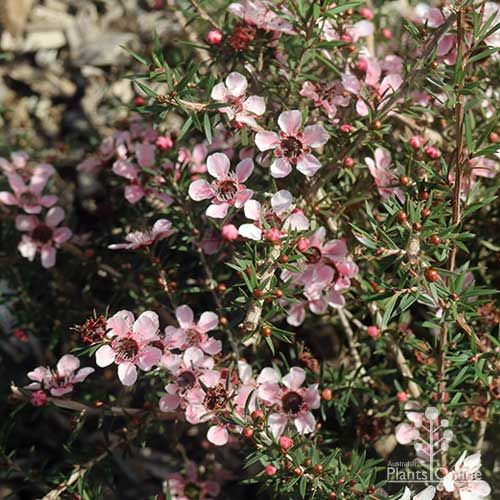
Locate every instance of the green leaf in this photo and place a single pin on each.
(207, 126)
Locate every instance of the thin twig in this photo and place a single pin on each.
(203, 14)
(116, 411)
(351, 342)
(254, 311)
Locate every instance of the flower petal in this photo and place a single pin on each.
(200, 190)
(208, 321)
(217, 211)
(280, 168)
(315, 136)
(244, 169)
(218, 435)
(290, 121)
(295, 378)
(266, 140)
(218, 165)
(308, 165)
(127, 373)
(185, 316)
(104, 356)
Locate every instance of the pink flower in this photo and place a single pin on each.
(61, 380)
(383, 175)
(191, 334)
(227, 189)
(279, 215)
(327, 269)
(206, 403)
(44, 237)
(293, 147)
(184, 488)
(28, 196)
(18, 161)
(161, 229)
(130, 344)
(257, 13)
(270, 470)
(240, 108)
(290, 402)
(187, 371)
(464, 479)
(141, 181)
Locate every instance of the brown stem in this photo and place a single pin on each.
(456, 207)
(116, 411)
(203, 14)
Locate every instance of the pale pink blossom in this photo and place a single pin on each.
(258, 13)
(465, 478)
(292, 147)
(61, 380)
(289, 400)
(384, 177)
(227, 190)
(29, 196)
(240, 108)
(141, 182)
(274, 223)
(161, 229)
(42, 236)
(130, 344)
(206, 402)
(188, 370)
(18, 162)
(194, 334)
(183, 488)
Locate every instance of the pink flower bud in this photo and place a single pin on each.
(38, 398)
(387, 33)
(346, 128)
(346, 38)
(402, 396)
(164, 142)
(373, 331)
(432, 152)
(229, 232)
(366, 13)
(302, 245)
(285, 443)
(214, 37)
(273, 235)
(270, 470)
(139, 101)
(416, 142)
(362, 65)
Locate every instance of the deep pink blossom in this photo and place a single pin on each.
(292, 147)
(161, 229)
(42, 236)
(130, 344)
(227, 189)
(61, 380)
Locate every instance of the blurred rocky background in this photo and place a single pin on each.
(63, 69)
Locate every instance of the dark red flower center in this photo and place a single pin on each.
(226, 190)
(291, 147)
(313, 255)
(126, 348)
(215, 398)
(186, 380)
(292, 402)
(42, 233)
(28, 198)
